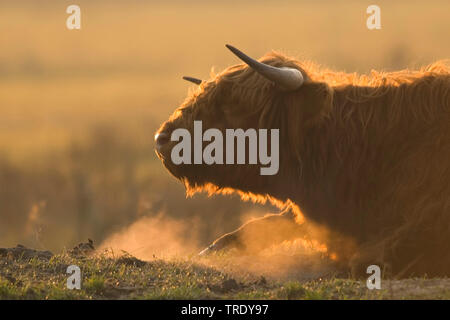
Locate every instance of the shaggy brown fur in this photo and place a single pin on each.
(367, 157)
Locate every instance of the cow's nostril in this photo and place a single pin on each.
(161, 138)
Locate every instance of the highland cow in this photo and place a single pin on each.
(367, 157)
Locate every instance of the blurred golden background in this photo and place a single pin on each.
(78, 108)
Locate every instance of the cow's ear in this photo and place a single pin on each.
(303, 109)
(309, 104)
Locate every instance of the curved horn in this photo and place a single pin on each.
(194, 80)
(287, 78)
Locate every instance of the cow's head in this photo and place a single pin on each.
(272, 93)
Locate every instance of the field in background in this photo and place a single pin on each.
(78, 109)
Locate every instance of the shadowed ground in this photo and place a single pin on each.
(30, 274)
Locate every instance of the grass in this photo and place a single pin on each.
(117, 278)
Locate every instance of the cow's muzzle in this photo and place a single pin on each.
(161, 139)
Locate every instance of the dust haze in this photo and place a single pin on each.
(163, 237)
